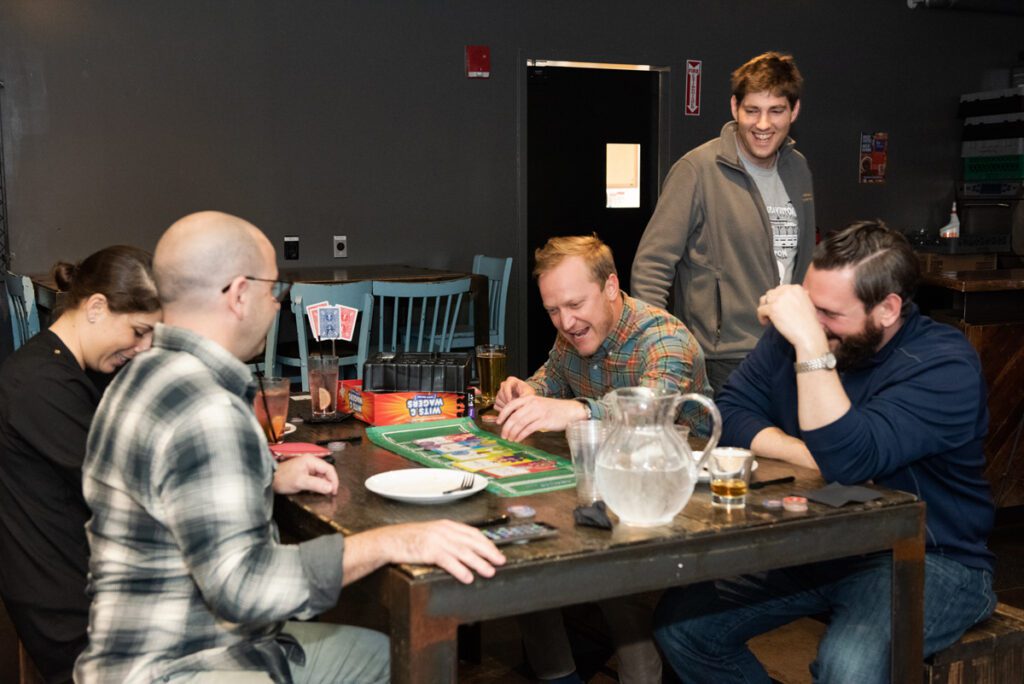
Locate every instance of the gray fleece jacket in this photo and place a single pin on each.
(706, 254)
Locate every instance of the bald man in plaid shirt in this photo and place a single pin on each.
(606, 339)
(190, 582)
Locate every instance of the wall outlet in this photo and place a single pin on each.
(291, 247)
(340, 246)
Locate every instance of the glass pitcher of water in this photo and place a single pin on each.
(645, 471)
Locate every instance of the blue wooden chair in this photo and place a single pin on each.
(498, 271)
(21, 300)
(355, 295)
(422, 315)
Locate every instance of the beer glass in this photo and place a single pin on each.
(490, 367)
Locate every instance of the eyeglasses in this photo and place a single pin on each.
(279, 289)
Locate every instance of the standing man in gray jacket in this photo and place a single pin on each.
(735, 219)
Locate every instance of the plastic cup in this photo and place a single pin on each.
(730, 468)
(323, 385)
(271, 407)
(585, 437)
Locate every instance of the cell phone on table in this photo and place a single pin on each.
(514, 533)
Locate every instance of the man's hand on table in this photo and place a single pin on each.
(510, 389)
(458, 549)
(305, 474)
(525, 415)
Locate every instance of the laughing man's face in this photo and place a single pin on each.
(763, 122)
(581, 309)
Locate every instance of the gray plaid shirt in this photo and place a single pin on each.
(187, 571)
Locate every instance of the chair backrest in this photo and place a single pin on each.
(355, 295)
(498, 271)
(21, 299)
(422, 315)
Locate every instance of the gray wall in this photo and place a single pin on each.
(315, 118)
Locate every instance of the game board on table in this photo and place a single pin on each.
(513, 469)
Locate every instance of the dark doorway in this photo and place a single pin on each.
(572, 114)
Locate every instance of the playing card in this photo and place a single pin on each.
(314, 319)
(348, 322)
(330, 322)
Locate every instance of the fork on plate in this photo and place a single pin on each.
(467, 483)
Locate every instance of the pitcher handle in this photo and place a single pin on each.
(716, 424)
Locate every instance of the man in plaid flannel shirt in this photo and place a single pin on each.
(606, 339)
(190, 582)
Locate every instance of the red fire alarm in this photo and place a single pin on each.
(478, 61)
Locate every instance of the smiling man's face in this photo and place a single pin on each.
(582, 310)
(763, 122)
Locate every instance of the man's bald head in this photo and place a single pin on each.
(201, 253)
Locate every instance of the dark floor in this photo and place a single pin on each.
(786, 652)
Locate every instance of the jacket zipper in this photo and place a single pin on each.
(718, 311)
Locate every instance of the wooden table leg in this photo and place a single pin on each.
(908, 609)
(423, 648)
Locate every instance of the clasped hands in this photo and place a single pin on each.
(521, 412)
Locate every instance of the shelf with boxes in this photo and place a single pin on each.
(990, 198)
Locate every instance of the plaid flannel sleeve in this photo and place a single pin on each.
(672, 359)
(213, 488)
(550, 379)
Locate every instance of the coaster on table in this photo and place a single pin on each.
(836, 495)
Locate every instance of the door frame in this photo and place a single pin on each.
(521, 279)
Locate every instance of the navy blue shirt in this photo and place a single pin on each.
(917, 423)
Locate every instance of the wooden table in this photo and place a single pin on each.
(585, 564)
(47, 293)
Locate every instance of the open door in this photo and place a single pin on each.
(580, 117)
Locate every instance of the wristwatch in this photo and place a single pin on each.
(586, 405)
(825, 362)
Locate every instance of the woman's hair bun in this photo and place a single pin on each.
(64, 275)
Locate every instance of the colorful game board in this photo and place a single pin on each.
(513, 469)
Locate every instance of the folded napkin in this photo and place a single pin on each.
(836, 495)
(287, 450)
(594, 515)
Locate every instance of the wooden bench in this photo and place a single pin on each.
(991, 652)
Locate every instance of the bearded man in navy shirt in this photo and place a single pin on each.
(850, 379)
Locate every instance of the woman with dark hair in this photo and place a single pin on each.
(49, 391)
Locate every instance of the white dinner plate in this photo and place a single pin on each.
(704, 475)
(289, 428)
(423, 485)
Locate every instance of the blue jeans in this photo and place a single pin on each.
(703, 629)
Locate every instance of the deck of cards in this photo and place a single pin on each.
(332, 322)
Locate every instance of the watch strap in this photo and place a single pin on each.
(586, 405)
(826, 361)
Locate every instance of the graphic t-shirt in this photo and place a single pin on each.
(781, 213)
